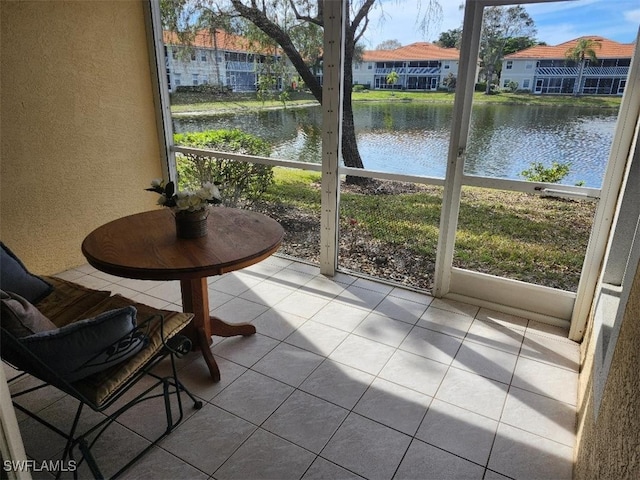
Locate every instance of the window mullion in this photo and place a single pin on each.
(470, 45)
(334, 17)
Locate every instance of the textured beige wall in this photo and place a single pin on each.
(78, 136)
(609, 448)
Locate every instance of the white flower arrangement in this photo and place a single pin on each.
(185, 200)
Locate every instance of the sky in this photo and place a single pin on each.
(556, 22)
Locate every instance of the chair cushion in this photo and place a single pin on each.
(21, 318)
(14, 277)
(70, 302)
(88, 346)
(99, 389)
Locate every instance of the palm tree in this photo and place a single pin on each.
(583, 50)
(392, 78)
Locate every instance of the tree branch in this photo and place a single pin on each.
(271, 29)
(317, 20)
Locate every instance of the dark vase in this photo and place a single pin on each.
(191, 224)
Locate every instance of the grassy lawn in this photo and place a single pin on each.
(394, 234)
(186, 103)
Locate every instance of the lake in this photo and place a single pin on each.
(413, 138)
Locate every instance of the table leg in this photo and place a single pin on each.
(195, 299)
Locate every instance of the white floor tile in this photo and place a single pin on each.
(302, 304)
(486, 361)
(543, 416)
(473, 392)
(443, 321)
(523, 455)
(458, 431)
(289, 364)
(393, 405)
(337, 383)
(415, 372)
(281, 401)
(266, 456)
(430, 344)
(426, 461)
(253, 397)
(362, 353)
(367, 447)
(383, 329)
(545, 379)
(341, 316)
(317, 338)
(306, 420)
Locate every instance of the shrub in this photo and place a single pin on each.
(539, 173)
(481, 86)
(242, 183)
(358, 87)
(511, 87)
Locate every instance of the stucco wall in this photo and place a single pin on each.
(79, 141)
(609, 447)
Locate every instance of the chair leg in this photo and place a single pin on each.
(91, 462)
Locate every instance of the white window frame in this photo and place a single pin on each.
(532, 301)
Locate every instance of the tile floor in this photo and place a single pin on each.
(349, 378)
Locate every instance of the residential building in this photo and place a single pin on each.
(222, 59)
(545, 69)
(420, 66)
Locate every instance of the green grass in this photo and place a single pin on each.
(480, 97)
(508, 234)
(187, 103)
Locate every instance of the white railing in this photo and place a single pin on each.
(534, 188)
(587, 72)
(409, 71)
(239, 66)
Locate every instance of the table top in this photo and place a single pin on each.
(144, 246)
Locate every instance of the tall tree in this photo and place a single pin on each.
(500, 24)
(450, 38)
(389, 45)
(281, 19)
(583, 50)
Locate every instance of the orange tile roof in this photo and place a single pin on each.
(608, 49)
(415, 51)
(204, 39)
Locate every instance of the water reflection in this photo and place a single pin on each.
(413, 138)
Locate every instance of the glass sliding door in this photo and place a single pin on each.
(526, 191)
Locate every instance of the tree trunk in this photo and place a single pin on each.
(487, 90)
(577, 86)
(350, 153)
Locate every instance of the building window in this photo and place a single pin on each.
(193, 56)
(369, 67)
(446, 66)
(505, 84)
(203, 56)
(195, 79)
(356, 66)
(525, 83)
(176, 79)
(509, 65)
(529, 65)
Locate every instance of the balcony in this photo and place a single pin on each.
(409, 71)
(588, 72)
(347, 378)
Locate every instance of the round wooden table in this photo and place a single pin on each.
(144, 246)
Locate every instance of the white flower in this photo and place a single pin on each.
(162, 199)
(157, 182)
